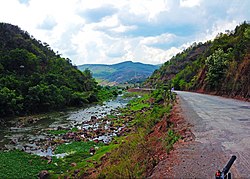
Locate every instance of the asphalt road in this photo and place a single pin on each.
(221, 127)
(221, 121)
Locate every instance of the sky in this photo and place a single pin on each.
(113, 31)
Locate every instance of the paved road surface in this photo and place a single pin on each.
(221, 128)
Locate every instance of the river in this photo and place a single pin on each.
(32, 137)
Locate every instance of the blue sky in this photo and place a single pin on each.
(112, 31)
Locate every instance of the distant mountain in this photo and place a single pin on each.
(127, 71)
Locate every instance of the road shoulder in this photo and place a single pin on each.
(189, 158)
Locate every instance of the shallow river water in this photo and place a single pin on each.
(29, 137)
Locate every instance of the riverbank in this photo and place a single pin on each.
(151, 139)
(53, 133)
(86, 153)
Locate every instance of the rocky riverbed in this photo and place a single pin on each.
(41, 135)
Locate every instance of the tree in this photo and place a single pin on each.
(10, 102)
(216, 64)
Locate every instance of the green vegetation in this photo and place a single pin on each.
(107, 92)
(130, 155)
(35, 79)
(76, 147)
(221, 66)
(171, 138)
(17, 164)
(131, 95)
(138, 103)
(217, 65)
(135, 156)
(78, 153)
(62, 131)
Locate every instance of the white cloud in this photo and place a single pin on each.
(189, 3)
(161, 39)
(218, 27)
(110, 31)
(122, 28)
(149, 9)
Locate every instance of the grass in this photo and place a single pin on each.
(110, 116)
(18, 164)
(135, 155)
(76, 147)
(171, 138)
(79, 154)
(139, 103)
(126, 161)
(63, 131)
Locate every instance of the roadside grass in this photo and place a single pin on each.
(135, 156)
(170, 139)
(139, 103)
(127, 160)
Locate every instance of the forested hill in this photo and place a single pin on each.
(33, 78)
(127, 71)
(221, 66)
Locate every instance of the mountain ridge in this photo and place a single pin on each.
(127, 71)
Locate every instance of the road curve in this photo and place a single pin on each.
(221, 127)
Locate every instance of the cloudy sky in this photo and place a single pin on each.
(112, 31)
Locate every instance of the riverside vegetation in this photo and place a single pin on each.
(129, 154)
(35, 79)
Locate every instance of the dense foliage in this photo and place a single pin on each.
(33, 78)
(221, 66)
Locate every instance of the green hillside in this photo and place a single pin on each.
(33, 78)
(122, 72)
(221, 66)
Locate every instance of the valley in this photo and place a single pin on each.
(127, 72)
(59, 120)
